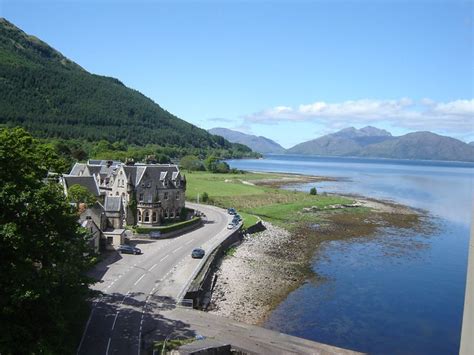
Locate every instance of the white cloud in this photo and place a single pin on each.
(455, 116)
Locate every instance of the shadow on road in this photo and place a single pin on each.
(99, 270)
(129, 320)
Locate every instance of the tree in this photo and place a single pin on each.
(205, 197)
(42, 282)
(211, 163)
(190, 163)
(80, 194)
(222, 167)
(313, 191)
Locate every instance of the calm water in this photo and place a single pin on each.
(401, 292)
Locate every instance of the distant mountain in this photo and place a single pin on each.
(376, 143)
(344, 142)
(258, 144)
(471, 143)
(53, 97)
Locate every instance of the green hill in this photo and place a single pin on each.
(53, 97)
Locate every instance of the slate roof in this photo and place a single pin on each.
(158, 174)
(88, 182)
(113, 204)
(94, 169)
(78, 169)
(95, 212)
(103, 162)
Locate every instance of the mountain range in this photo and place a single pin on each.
(377, 143)
(369, 142)
(53, 97)
(258, 144)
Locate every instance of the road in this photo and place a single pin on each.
(136, 288)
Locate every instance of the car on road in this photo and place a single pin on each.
(129, 249)
(198, 253)
(231, 211)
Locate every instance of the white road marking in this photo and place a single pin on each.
(164, 258)
(141, 277)
(87, 325)
(113, 325)
(174, 251)
(189, 241)
(108, 346)
(152, 267)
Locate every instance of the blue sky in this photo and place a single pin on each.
(288, 70)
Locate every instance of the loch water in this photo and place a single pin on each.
(400, 291)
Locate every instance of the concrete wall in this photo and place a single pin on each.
(200, 288)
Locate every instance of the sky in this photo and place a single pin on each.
(288, 70)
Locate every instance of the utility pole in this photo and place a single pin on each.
(198, 198)
(467, 334)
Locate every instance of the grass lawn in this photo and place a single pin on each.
(253, 201)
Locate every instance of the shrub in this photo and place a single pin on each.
(313, 191)
(205, 197)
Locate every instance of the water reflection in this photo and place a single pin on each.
(394, 293)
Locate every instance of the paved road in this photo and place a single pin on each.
(136, 288)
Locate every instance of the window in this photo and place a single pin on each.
(117, 193)
(147, 216)
(177, 195)
(139, 216)
(167, 213)
(110, 240)
(172, 214)
(140, 198)
(155, 217)
(166, 196)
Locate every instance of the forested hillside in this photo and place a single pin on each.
(54, 97)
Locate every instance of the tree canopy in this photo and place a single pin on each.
(43, 287)
(80, 194)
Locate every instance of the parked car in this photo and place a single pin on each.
(237, 217)
(231, 211)
(198, 253)
(230, 226)
(129, 249)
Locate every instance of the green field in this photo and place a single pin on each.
(255, 202)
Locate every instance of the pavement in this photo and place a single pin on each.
(141, 296)
(134, 287)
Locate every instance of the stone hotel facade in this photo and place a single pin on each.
(151, 193)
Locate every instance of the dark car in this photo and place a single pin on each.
(198, 253)
(128, 249)
(237, 218)
(231, 211)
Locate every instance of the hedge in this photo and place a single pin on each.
(170, 228)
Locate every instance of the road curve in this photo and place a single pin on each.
(136, 287)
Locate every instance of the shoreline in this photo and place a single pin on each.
(267, 266)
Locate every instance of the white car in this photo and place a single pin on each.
(230, 226)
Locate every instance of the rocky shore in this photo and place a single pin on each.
(249, 281)
(268, 265)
